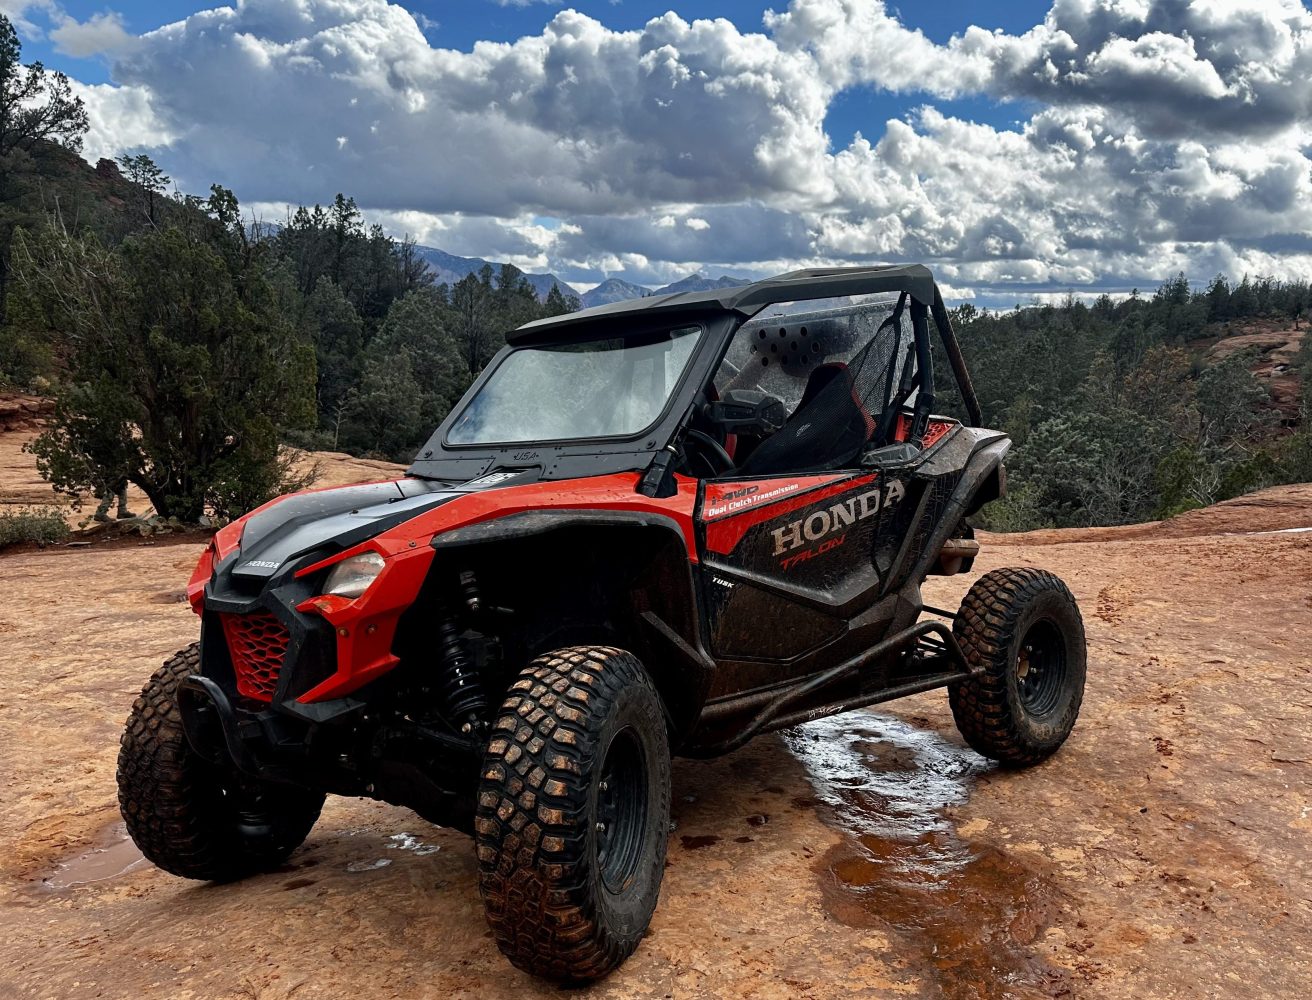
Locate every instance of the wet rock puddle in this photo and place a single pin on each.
(395, 842)
(112, 856)
(967, 911)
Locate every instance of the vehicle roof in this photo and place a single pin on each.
(817, 283)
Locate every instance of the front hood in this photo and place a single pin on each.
(327, 521)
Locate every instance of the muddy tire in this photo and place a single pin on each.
(193, 818)
(1023, 628)
(573, 813)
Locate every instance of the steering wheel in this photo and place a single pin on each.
(711, 452)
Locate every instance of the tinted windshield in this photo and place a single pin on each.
(595, 388)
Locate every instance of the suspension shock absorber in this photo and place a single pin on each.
(469, 587)
(460, 688)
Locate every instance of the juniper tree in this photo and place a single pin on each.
(182, 368)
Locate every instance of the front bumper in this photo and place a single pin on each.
(214, 729)
(263, 744)
(434, 774)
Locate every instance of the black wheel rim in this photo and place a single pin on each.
(621, 811)
(1041, 668)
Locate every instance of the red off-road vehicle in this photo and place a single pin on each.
(660, 526)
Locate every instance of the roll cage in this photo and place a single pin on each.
(655, 451)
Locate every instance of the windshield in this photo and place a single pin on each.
(594, 388)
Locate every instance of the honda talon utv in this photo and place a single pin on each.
(657, 527)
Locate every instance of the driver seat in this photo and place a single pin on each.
(827, 430)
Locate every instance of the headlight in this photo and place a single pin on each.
(352, 577)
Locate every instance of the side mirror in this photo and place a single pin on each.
(747, 411)
(891, 456)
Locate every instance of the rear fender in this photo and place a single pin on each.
(980, 482)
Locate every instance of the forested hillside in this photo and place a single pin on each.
(176, 336)
(184, 345)
(1125, 411)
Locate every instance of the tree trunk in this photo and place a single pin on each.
(154, 493)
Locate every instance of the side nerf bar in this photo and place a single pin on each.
(781, 712)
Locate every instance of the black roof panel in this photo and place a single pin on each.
(819, 283)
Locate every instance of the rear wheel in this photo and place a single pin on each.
(1023, 628)
(189, 816)
(573, 813)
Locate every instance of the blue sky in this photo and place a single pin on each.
(1022, 149)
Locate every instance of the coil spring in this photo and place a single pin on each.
(460, 689)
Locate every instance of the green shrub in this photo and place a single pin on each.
(1017, 511)
(42, 525)
(26, 359)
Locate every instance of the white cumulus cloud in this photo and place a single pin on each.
(120, 119)
(1157, 135)
(100, 34)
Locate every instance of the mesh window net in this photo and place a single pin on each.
(838, 369)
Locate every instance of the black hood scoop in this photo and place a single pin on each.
(328, 521)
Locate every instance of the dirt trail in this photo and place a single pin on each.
(1163, 853)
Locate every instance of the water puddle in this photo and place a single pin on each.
(409, 842)
(355, 867)
(113, 856)
(393, 842)
(968, 911)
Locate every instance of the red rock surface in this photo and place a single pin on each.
(1163, 853)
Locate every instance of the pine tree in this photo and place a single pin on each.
(557, 304)
(36, 107)
(146, 174)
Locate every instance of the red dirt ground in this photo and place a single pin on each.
(1162, 853)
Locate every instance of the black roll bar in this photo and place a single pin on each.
(953, 350)
(925, 373)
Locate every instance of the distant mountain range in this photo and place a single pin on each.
(613, 290)
(448, 268)
(619, 290)
(697, 282)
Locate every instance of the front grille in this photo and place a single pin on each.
(257, 644)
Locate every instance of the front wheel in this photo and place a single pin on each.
(191, 817)
(573, 813)
(1022, 629)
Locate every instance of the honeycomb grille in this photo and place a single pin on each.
(257, 644)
